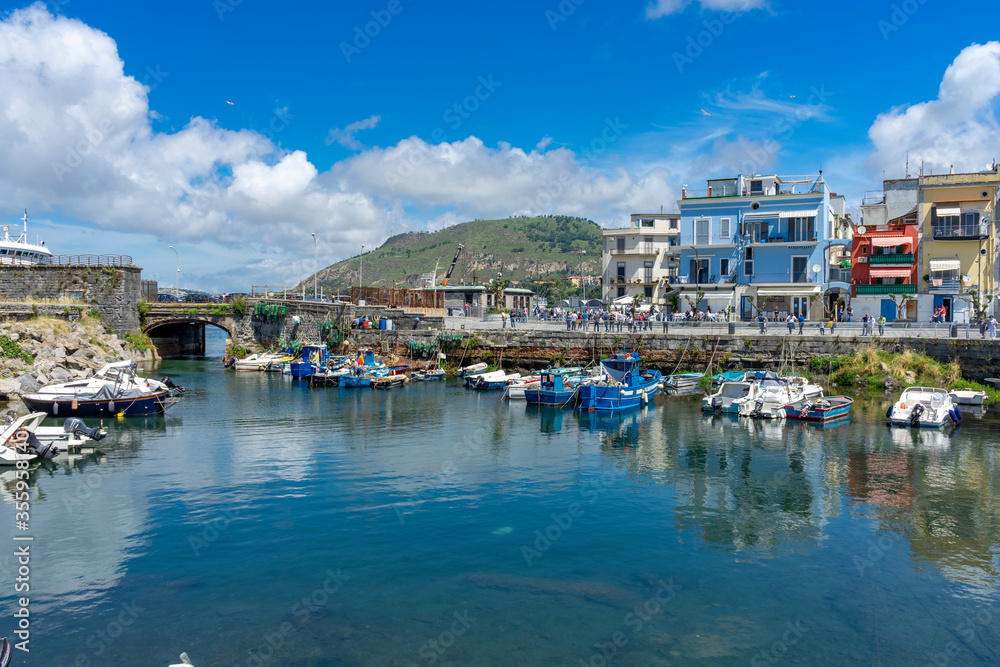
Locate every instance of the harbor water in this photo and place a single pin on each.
(262, 522)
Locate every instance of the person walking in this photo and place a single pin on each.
(503, 318)
(849, 314)
(802, 322)
(513, 319)
(790, 321)
(982, 327)
(762, 321)
(881, 325)
(666, 318)
(993, 327)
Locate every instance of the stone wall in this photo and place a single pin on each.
(112, 291)
(668, 352)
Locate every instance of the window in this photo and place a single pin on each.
(699, 270)
(648, 243)
(621, 244)
(621, 291)
(647, 222)
(724, 230)
(724, 267)
(756, 187)
(702, 226)
(748, 263)
(864, 250)
(799, 271)
(647, 270)
(621, 272)
(801, 229)
(649, 292)
(673, 224)
(757, 231)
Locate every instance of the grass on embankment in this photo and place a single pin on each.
(868, 367)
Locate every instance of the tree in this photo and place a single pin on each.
(901, 301)
(979, 300)
(497, 287)
(693, 302)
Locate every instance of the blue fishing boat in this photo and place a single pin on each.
(314, 359)
(554, 388)
(819, 409)
(728, 376)
(426, 376)
(356, 379)
(621, 384)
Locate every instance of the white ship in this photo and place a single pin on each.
(17, 249)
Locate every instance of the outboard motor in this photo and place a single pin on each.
(177, 389)
(46, 451)
(717, 403)
(77, 427)
(915, 413)
(757, 408)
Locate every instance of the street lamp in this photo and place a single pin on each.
(315, 263)
(177, 278)
(583, 280)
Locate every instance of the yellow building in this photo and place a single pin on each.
(958, 246)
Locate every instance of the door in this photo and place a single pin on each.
(746, 307)
(940, 300)
(888, 309)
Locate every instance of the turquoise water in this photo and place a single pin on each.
(264, 523)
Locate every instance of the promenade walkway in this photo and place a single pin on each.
(892, 329)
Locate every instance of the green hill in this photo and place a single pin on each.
(524, 249)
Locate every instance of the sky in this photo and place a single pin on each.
(236, 130)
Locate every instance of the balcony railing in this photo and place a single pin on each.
(635, 252)
(898, 258)
(812, 238)
(873, 198)
(946, 286)
(961, 232)
(885, 289)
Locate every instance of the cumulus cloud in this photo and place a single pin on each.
(78, 137)
(958, 128)
(661, 8)
(345, 137)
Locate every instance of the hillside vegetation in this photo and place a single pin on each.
(523, 248)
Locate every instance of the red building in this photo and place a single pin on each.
(883, 264)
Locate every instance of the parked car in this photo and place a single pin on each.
(163, 296)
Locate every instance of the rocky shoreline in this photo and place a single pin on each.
(44, 350)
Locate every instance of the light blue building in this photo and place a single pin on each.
(767, 243)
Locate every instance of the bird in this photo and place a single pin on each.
(230, 103)
(705, 112)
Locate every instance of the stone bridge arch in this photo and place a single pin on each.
(180, 330)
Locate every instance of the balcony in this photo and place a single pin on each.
(863, 290)
(944, 286)
(812, 238)
(641, 251)
(898, 258)
(961, 232)
(840, 276)
(873, 198)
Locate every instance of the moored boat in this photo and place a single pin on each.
(553, 388)
(425, 376)
(113, 389)
(967, 396)
(728, 376)
(724, 399)
(819, 409)
(929, 407)
(683, 380)
(485, 381)
(621, 384)
(314, 359)
(472, 370)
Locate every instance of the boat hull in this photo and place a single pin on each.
(548, 397)
(839, 407)
(610, 397)
(153, 404)
(968, 398)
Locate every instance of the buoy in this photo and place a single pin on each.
(111, 407)
(121, 416)
(74, 404)
(55, 408)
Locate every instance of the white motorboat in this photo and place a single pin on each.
(682, 380)
(724, 400)
(515, 391)
(259, 362)
(967, 396)
(472, 370)
(768, 398)
(17, 443)
(929, 407)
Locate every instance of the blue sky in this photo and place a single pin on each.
(120, 136)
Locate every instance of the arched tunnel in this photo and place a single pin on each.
(180, 338)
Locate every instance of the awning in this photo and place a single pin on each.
(789, 291)
(798, 214)
(945, 265)
(948, 210)
(880, 272)
(759, 216)
(890, 241)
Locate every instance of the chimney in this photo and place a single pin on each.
(683, 192)
(661, 209)
(710, 191)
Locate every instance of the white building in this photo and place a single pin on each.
(639, 259)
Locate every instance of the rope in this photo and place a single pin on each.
(683, 352)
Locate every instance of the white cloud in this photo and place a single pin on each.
(661, 8)
(345, 137)
(958, 128)
(77, 137)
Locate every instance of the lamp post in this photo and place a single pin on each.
(315, 262)
(177, 277)
(583, 280)
(361, 268)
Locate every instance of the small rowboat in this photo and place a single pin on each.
(472, 370)
(683, 380)
(967, 396)
(387, 381)
(819, 409)
(427, 375)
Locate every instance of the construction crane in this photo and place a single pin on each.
(447, 276)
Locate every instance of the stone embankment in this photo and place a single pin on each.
(37, 352)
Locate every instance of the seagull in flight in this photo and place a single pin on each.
(230, 103)
(705, 112)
